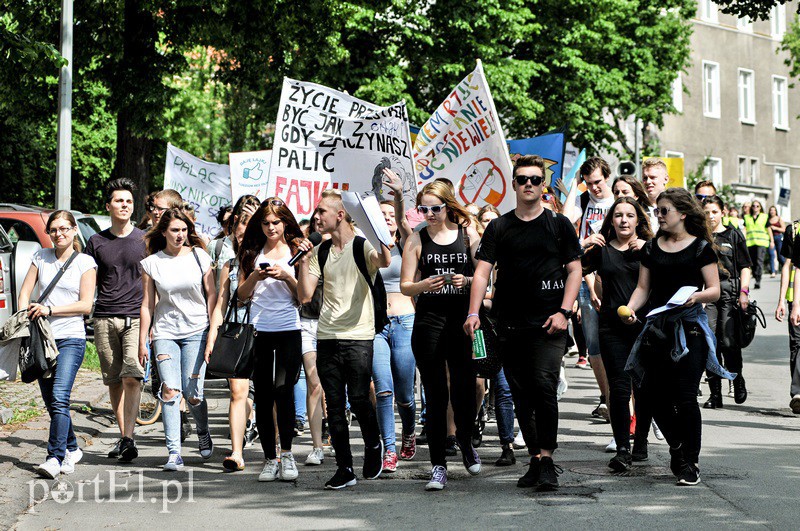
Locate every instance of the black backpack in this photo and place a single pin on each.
(377, 289)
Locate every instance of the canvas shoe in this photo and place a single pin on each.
(438, 478)
(271, 470)
(288, 467)
(174, 463)
(71, 459)
(50, 469)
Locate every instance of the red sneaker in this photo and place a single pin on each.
(390, 462)
(409, 448)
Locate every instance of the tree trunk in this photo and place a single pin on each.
(133, 161)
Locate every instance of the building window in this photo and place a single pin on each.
(708, 11)
(711, 106)
(747, 100)
(713, 171)
(782, 181)
(745, 24)
(753, 174)
(741, 170)
(780, 103)
(677, 93)
(778, 21)
(673, 155)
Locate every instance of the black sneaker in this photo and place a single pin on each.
(639, 452)
(343, 477)
(422, 438)
(127, 450)
(739, 390)
(186, 426)
(114, 452)
(690, 475)
(548, 475)
(477, 432)
(299, 427)
(373, 462)
(250, 434)
(451, 446)
(676, 461)
(507, 457)
(531, 477)
(621, 462)
(325, 431)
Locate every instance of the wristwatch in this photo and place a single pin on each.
(567, 313)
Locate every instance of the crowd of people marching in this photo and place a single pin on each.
(359, 323)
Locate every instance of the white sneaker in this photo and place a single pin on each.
(50, 469)
(563, 384)
(657, 432)
(316, 457)
(612, 446)
(270, 471)
(174, 463)
(70, 460)
(288, 467)
(519, 441)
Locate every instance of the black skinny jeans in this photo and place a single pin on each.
(721, 321)
(345, 370)
(281, 351)
(757, 259)
(671, 388)
(794, 350)
(439, 343)
(616, 342)
(532, 361)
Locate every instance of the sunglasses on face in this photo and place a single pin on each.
(700, 197)
(535, 180)
(273, 202)
(663, 211)
(435, 209)
(157, 209)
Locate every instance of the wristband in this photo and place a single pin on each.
(49, 311)
(473, 315)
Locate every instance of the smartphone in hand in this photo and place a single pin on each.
(263, 265)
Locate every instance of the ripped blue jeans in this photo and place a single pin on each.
(182, 368)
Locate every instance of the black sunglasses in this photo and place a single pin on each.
(535, 180)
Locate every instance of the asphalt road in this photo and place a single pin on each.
(749, 467)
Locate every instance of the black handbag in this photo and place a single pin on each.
(232, 354)
(747, 321)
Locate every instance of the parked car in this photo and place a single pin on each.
(15, 260)
(28, 222)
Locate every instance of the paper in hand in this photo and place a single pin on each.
(366, 212)
(679, 299)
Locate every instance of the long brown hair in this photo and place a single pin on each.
(684, 202)
(643, 231)
(65, 214)
(254, 237)
(155, 239)
(455, 212)
(638, 189)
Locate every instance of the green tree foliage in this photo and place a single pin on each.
(753, 9)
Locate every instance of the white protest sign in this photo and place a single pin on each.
(463, 141)
(325, 138)
(206, 185)
(249, 173)
(367, 215)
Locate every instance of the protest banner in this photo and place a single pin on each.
(325, 138)
(462, 141)
(249, 173)
(205, 185)
(549, 146)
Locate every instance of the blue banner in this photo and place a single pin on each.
(550, 147)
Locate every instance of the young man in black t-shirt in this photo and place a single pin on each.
(538, 276)
(791, 252)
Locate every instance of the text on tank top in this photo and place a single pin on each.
(436, 260)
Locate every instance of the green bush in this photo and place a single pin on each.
(90, 359)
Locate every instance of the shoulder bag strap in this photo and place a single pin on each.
(50, 287)
(361, 262)
(202, 274)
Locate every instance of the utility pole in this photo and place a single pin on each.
(638, 173)
(64, 150)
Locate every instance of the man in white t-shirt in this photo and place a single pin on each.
(655, 179)
(589, 213)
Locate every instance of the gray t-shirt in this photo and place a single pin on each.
(181, 310)
(67, 291)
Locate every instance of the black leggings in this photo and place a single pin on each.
(281, 351)
(671, 388)
(616, 342)
(439, 343)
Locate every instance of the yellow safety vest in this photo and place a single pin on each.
(757, 235)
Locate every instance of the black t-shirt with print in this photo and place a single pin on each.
(619, 273)
(530, 263)
(732, 252)
(671, 271)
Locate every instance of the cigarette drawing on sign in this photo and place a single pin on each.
(484, 183)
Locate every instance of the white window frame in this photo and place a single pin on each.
(784, 212)
(677, 92)
(780, 103)
(753, 171)
(777, 21)
(714, 96)
(709, 11)
(745, 24)
(741, 169)
(746, 88)
(713, 171)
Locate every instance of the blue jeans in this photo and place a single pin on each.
(183, 370)
(590, 321)
(56, 392)
(300, 390)
(504, 407)
(393, 371)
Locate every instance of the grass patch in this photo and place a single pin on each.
(90, 359)
(26, 413)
